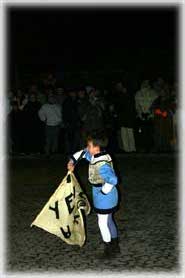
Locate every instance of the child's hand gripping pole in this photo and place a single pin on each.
(70, 166)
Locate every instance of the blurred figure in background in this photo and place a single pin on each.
(96, 98)
(40, 96)
(24, 101)
(143, 100)
(60, 97)
(71, 121)
(93, 119)
(50, 114)
(83, 108)
(19, 96)
(9, 100)
(125, 108)
(112, 128)
(158, 85)
(163, 110)
(174, 96)
(15, 129)
(33, 125)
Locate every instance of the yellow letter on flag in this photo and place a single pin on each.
(62, 214)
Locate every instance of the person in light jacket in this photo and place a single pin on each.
(51, 114)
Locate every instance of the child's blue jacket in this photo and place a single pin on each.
(101, 175)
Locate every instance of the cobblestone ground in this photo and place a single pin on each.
(147, 218)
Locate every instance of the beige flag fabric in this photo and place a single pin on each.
(62, 215)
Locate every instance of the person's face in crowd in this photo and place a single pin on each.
(145, 84)
(160, 82)
(119, 87)
(92, 93)
(51, 99)
(81, 94)
(92, 97)
(158, 85)
(33, 89)
(72, 94)
(111, 108)
(32, 98)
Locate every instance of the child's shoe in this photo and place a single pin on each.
(107, 252)
(115, 246)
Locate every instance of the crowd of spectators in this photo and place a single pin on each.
(54, 119)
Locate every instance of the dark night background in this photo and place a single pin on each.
(140, 41)
(94, 46)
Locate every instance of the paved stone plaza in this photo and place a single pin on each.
(147, 218)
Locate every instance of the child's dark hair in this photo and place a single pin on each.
(98, 138)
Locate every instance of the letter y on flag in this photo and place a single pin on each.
(62, 215)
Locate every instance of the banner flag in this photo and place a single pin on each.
(62, 215)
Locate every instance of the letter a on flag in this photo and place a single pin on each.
(62, 215)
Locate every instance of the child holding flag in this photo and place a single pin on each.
(103, 180)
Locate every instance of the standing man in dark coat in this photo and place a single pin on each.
(16, 128)
(33, 129)
(71, 121)
(125, 108)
